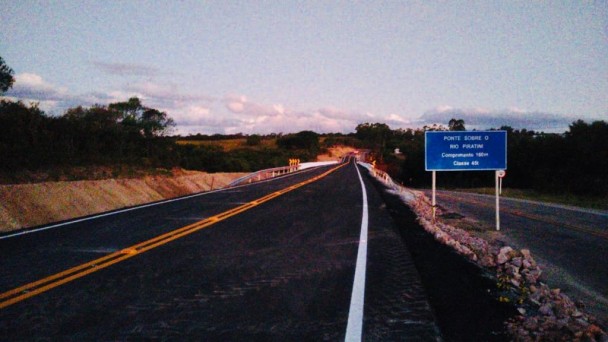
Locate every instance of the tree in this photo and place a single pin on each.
(254, 140)
(374, 134)
(304, 140)
(131, 111)
(6, 76)
(456, 125)
(149, 122)
(155, 123)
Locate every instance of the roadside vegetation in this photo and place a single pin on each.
(566, 168)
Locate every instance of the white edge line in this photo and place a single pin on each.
(119, 211)
(108, 214)
(354, 327)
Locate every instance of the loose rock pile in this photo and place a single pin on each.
(545, 314)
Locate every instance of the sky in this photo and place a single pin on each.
(286, 66)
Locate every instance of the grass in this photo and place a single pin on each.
(230, 144)
(567, 199)
(76, 173)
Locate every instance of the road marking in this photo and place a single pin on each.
(37, 287)
(354, 328)
(119, 211)
(105, 214)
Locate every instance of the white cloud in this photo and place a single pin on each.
(335, 113)
(32, 86)
(233, 113)
(191, 115)
(198, 113)
(236, 107)
(236, 113)
(482, 118)
(235, 103)
(279, 108)
(395, 119)
(443, 108)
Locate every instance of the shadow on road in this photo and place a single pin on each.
(461, 293)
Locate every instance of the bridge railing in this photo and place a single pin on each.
(264, 174)
(407, 193)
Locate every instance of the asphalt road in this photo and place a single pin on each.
(570, 243)
(280, 269)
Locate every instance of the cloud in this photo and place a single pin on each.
(164, 95)
(335, 113)
(235, 103)
(200, 113)
(253, 117)
(238, 104)
(397, 120)
(349, 115)
(125, 69)
(291, 122)
(481, 118)
(32, 86)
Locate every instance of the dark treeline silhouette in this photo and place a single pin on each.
(574, 162)
(213, 158)
(306, 141)
(216, 137)
(124, 132)
(128, 133)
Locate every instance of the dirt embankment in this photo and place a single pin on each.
(336, 152)
(47, 197)
(27, 205)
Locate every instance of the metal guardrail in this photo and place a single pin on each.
(264, 174)
(388, 180)
(270, 173)
(274, 172)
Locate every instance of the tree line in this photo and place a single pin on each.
(125, 133)
(574, 162)
(122, 132)
(129, 133)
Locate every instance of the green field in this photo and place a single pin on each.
(230, 144)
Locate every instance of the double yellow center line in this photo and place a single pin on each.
(37, 287)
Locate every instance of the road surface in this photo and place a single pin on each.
(285, 259)
(570, 243)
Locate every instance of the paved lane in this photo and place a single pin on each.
(29, 257)
(571, 243)
(282, 270)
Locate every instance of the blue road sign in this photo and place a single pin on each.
(465, 151)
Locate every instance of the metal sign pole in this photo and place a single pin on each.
(496, 179)
(500, 186)
(434, 203)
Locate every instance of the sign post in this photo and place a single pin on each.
(496, 178)
(466, 151)
(433, 201)
(501, 175)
